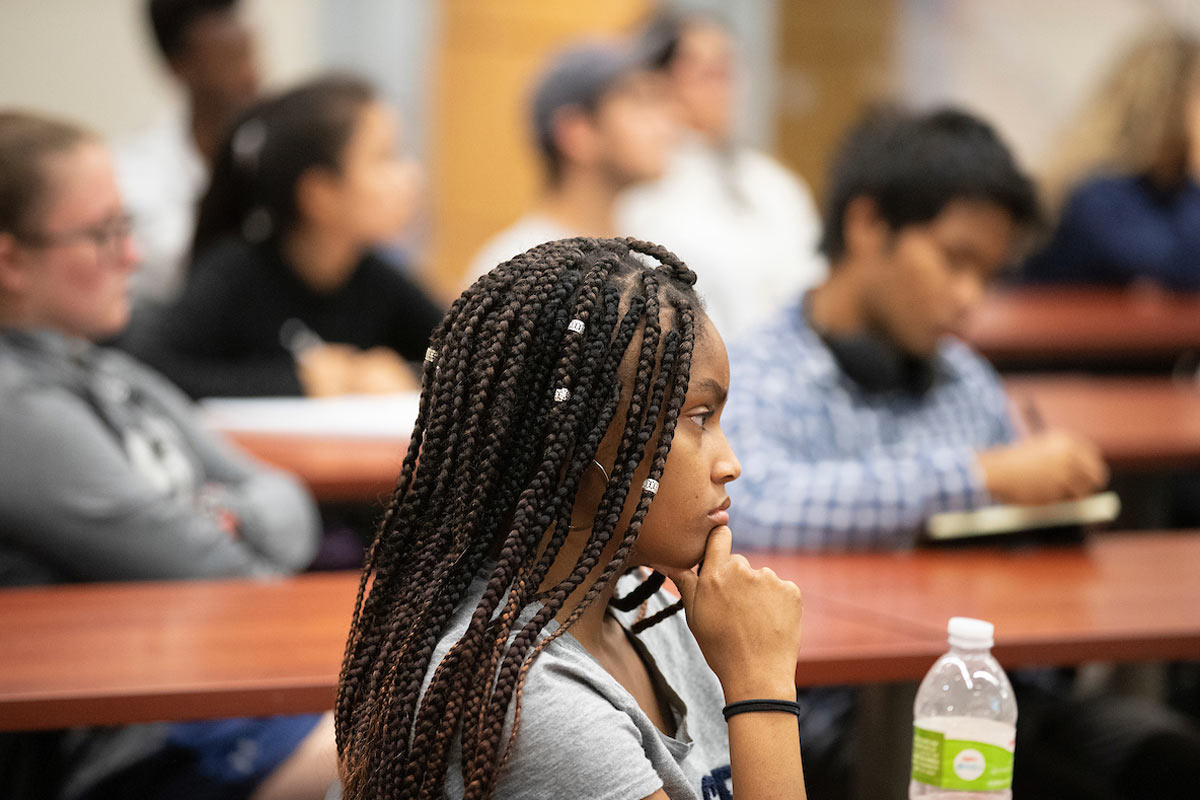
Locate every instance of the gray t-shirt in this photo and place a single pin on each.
(583, 735)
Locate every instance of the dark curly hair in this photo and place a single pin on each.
(171, 19)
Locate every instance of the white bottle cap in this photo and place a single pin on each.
(969, 633)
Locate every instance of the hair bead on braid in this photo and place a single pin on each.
(521, 382)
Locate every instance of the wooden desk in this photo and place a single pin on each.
(1138, 423)
(108, 653)
(335, 468)
(1056, 326)
(1122, 597)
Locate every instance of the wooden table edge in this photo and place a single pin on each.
(35, 712)
(1031, 650)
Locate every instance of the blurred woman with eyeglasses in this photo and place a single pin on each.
(106, 473)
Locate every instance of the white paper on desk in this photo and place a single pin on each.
(390, 415)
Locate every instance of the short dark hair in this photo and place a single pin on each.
(170, 20)
(913, 165)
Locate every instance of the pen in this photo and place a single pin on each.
(1033, 417)
(298, 338)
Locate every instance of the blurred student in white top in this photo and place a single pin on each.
(601, 123)
(163, 170)
(744, 223)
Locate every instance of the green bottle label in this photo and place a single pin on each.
(960, 764)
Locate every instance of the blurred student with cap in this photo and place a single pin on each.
(746, 225)
(601, 126)
(211, 55)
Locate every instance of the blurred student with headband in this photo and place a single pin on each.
(287, 294)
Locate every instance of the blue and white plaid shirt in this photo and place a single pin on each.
(828, 465)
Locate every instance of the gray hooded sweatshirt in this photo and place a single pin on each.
(106, 473)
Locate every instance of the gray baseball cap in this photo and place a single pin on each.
(579, 76)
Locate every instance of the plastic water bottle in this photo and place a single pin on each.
(964, 721)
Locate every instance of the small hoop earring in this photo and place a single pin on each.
(603, 472)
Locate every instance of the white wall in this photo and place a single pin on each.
(1026, 65)
(392, 42)
(94, 61)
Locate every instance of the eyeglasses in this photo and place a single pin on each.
(108, 236)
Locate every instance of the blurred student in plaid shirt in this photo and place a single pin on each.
(856, 412)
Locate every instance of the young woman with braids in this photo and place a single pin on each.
(569, 433)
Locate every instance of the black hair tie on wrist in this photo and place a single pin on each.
(747, 706)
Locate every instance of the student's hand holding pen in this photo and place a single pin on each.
(381, 370)
(1044, 467)
(333, 369)
(327, 370)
